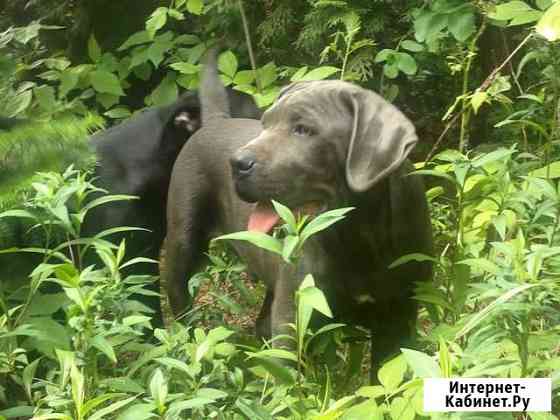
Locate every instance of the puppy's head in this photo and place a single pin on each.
(320, 137)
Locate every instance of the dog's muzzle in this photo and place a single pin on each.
(242, 164)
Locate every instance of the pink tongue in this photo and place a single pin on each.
(263, 218)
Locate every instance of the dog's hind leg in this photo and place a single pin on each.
(188, 228)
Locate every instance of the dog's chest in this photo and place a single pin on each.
(354, 263)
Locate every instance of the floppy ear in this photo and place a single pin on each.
(382, 137)
(291, 88)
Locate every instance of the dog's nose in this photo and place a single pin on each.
(243, 163)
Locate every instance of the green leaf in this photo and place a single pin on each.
(428, 24)
(94, 50)
(406, 63)
(95, 402)
(227, 64)
(102, 414)
(323, 221)
(119, 112)
(105, 82)
(477, 99)
(68, 81)
(195, 7)
(211, 394)
(392, 373)
(497, 155)
(20, 103)
(384, 55)
(18, 213)
(549, 24)
(135, 319)
(275, 353)
(156, 21)
(481, 264)
(410, 45)
(138, 38)
(156, 51)
(252, 410)
(365, 410)
(24, 412)
(336, 409)
(244, 77)
(179, 406)
(142, 411)
(28, 375)
(315, 298)
(517, 12)
(320, 73)
(175, 364)
(45, 97)
(107, 199)
(299, 74)
(101, 343)
(550, 171)
(391, 70)
(542, 416)
(187, 39)
(267, 75)
(158, 388)
(422, 365)
(262, 240)
(175, 14)
(185, 68)
(412, 257)
(290, 244)
(267, 97)
(461, 24)
(281, 372)
(479, 316)
(286, 215)
(402, 409)
(432, 172)
(371, 391)
(166, 93)
(122, 384)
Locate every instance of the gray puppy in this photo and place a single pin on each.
(326, 145)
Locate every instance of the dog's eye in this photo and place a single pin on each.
(303, 130)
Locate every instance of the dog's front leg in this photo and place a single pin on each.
(282, 311)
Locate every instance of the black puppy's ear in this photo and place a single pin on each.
(382, 137)
(187, 121)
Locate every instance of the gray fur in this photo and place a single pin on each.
(331, 142)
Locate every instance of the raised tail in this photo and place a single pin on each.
(214, 101)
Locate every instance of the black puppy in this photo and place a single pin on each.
(136, 158)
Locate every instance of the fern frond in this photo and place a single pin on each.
(42, 146)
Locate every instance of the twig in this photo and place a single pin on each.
(484, 86)
(249, 45)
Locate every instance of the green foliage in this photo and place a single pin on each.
(39, 147)
(79, 352)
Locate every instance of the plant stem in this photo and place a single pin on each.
(249, 45)
(466, 110)
(346, 54)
